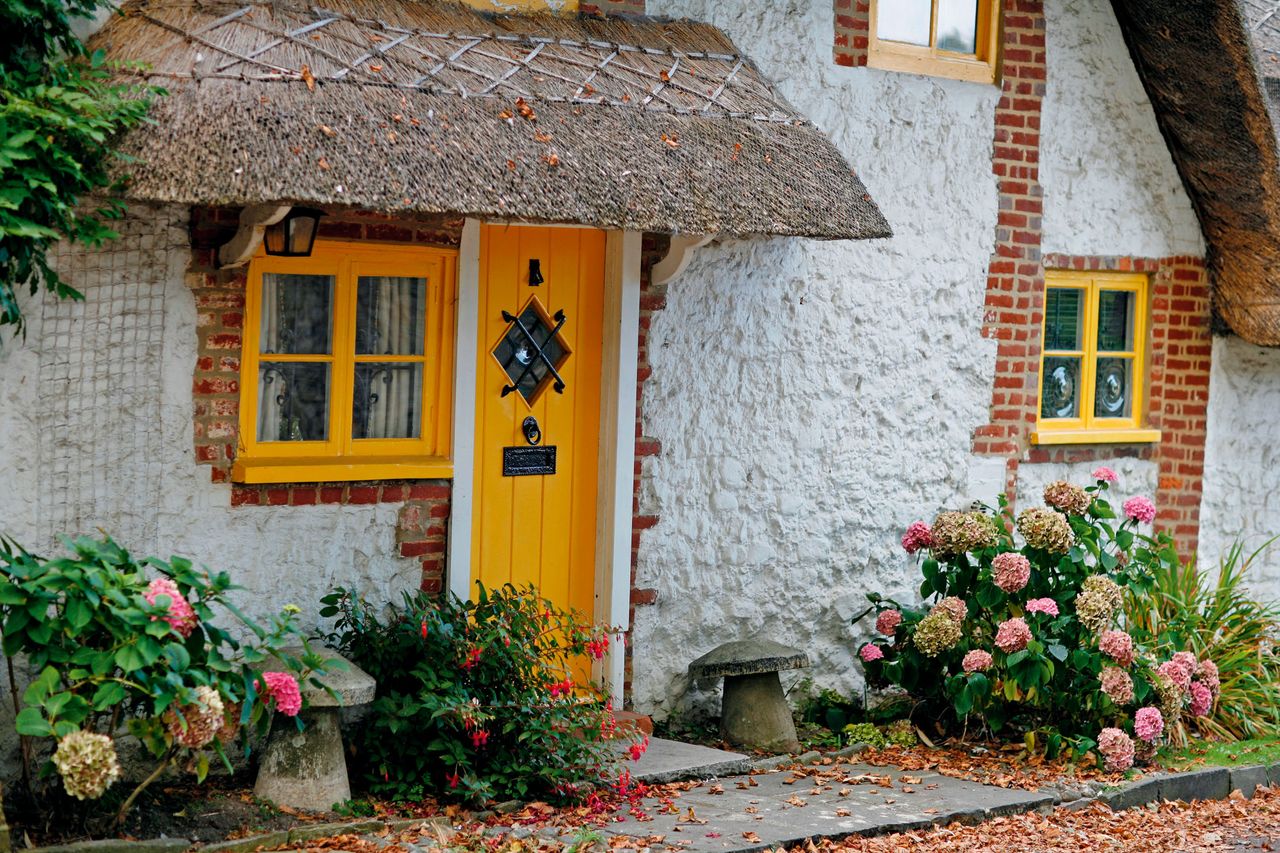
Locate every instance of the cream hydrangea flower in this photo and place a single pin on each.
(87, 763)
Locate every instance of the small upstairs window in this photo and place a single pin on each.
(942, 38)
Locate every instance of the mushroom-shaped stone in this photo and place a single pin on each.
(754, 712)
(308, 769)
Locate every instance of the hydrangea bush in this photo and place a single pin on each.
(1020, 631)
(118, 644)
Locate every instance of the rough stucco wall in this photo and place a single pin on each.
(1137, 477)
(812, 399)
(1242, 458)
(19, 396)
(112, 432)
(1110, 186)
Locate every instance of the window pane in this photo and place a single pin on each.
(388, 400)
(1060, 396)
(1063, 318)
(390, 315)
(904, 20)
(293, 402)
(1115, 321)
(958, 25)
(519, 356)
(1113, 397)
(297, 314)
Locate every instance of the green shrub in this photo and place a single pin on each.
(1023, 638)
(865, 733)
(110, 646)
(477, 700)
(1217, 619)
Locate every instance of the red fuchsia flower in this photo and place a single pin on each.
(181, 615)
(1148, 724)
(454, 778)
(887, 622)
(918, 536)
(596, 648)
(1118, 646)
(1105, 475)
(870, 652)
(1117, 750)
(977, 661)
(1174, 671)
(1141, 509)
(479, 738)
(473, 658)
(282, 688)
(561, 688)
(1043, 605)
(1201, 699)
(1013, 635)
(1010, 571)
(424, 629)
(638, 749)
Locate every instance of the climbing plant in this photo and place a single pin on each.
(59, 114)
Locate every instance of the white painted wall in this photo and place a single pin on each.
(1137, 477)
(1110, 186)
(1242, 458)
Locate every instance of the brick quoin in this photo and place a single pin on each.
(853, 30)
(1179, 323)
(422, 521)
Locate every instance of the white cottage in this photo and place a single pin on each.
(532, 231)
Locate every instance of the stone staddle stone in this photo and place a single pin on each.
(754, 712)
(308, 769)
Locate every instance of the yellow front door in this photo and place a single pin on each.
(538, 410)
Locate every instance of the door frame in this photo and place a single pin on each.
(617, 433)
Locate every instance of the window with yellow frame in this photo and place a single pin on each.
(943, 38)
(347, 365)
(1092, 377)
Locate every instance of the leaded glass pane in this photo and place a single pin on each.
(293, 401)
(1063, 318)
(1113, 396)
(958, 26)
(1060, 393)
(904, 20)
(1115, 320)
(297, 314)
(391, 315)
(388, 400)
(525, 357)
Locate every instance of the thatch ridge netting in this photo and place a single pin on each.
(435, 107)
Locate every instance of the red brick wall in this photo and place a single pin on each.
(421, 529)
(1179, 346)
(853, 27)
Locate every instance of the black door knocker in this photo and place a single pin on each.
(532, 433)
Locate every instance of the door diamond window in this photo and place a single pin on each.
(532, 351)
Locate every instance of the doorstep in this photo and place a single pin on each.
(670, 761)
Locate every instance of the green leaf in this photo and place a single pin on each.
(109, 694)
(1058, 650)
(129, 659)
(1016, 658)
(29, 722)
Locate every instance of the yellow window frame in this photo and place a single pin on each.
(978, 67)
(1088, 428)
(341, 456)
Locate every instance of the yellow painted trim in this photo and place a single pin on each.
(979, 67)
(323, 470)
(1088, 428)
(338, 456)
(1095, 436)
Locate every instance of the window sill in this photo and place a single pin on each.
(1095, 436)
(310, 469)
(967, 70)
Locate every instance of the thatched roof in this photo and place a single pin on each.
(394, 105)
(1206, 65)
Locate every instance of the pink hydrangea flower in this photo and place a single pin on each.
(1141, 509)
(1013, 635)
(1148, 723)
(1188, 662)
(1201, 699)
(870, 652)
(1208, 673)
(918, 536)
(1106, 475)
(1173, 671)
(1011, 571)
(1117, 684)
(181, 615)
(282, 688)
(1043, 605)
(887, 622)
(976, 661)
(1118, 646)
(1117, 750)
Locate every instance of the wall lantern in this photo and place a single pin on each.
(293, 236)
(535, 272)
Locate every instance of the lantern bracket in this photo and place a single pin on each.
(254, 220)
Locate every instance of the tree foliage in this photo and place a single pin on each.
(60, 109)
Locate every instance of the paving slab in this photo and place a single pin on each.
(670, 761)
(765, 810)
